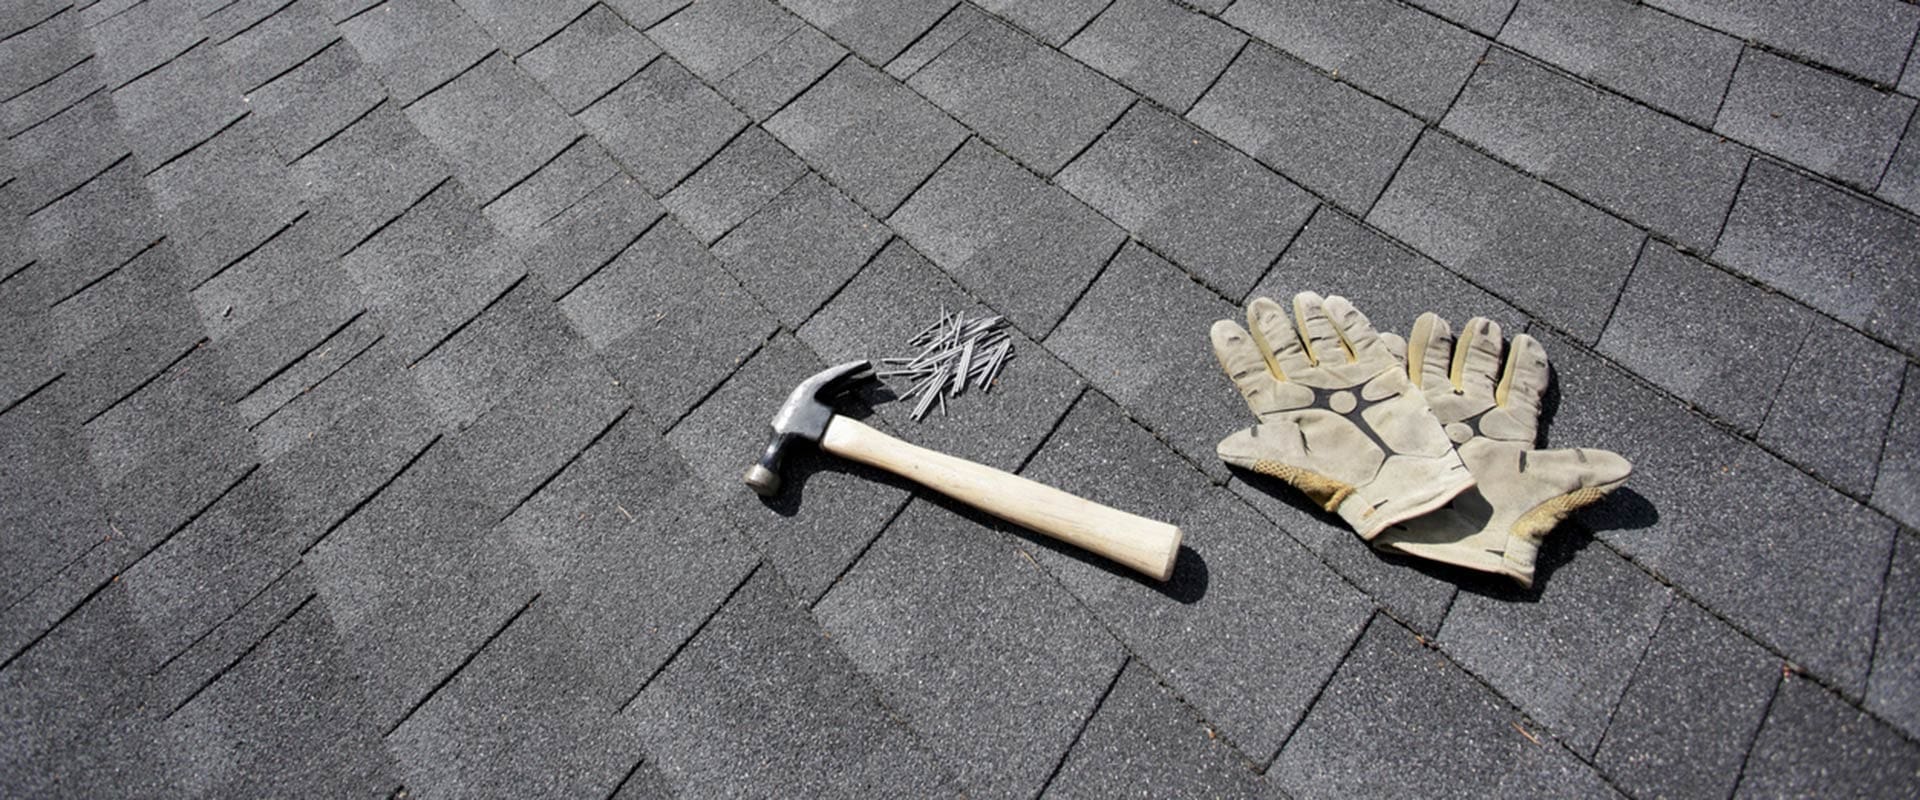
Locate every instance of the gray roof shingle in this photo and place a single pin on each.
(376, 380)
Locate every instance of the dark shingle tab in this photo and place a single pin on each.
(320, 479)
(168, 450)
(765, 84)
(1393, 695)
(1213, 210)
(592, 232)
(1026, 98)
(1705, 335)
(693, 315)
(146, 36)
(1052, 21)
(1646, 167)
(40, 102)
(751, 171)
(49, 499)
(1140, 335)
(494, 125)
(173, 109)
(800, 248)
(1850, 384)
(1832, 250)
(1145, 740)
(1323, 134)
(518, 338)
(588, 58)
(662, 124)
(1864, 37)
(1632, 48)
(101, 225)
(413, 590)
(871, 136)
(530, 433)
(1901, 183)
(559, 185)
(222, 200)
(518, 26)
(1818, 120)
(1024, 246)
(715, 39)
(432, 269)
(64, 150)
(1233, 579)
(1546, 251)
(951, 28)
(1484, 17)
(1896, 487)
(1157, 48)
(299, 110)
(211, 568)
(262, 710)
(761, 703)
(1516, 639)
(417, 45)
(877, 30)
(1815, 743)
(967, 640)
(1695, 702)
(1726, 522)
(29, 57)
(277, 43)
(1337, 254)
(67, 151)
(1893, 690)
(368, 173)
(1398, 52)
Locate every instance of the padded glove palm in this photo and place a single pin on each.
(1339, 419)
(1492, 413)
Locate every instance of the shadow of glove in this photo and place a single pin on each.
(1338, 418)
(1488, 397)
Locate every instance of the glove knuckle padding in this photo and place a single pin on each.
(1342, 424)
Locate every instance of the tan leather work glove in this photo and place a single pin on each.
(1338, 418)
(1490, 404)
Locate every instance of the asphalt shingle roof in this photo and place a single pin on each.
(376, 377)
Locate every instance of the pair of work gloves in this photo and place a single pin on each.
(1424, 445)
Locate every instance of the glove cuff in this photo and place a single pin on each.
(1368, 513)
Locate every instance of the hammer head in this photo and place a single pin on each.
(803, 417)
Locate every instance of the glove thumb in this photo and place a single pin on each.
(1273, 449)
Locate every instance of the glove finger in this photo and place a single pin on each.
(1279, 450)
(1476, 358)
(1356, 330)
(1396, 346)
(1524, 382)
(1323, 340)
(1240, 358)
(1579, 475)
(1278, 340)
(1430, 352)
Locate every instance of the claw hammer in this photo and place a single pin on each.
(1142, 544)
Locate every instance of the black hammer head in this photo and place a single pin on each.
(803, 417)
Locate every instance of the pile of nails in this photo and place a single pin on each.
(954, 351)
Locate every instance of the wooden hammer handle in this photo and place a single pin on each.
(1135, 541)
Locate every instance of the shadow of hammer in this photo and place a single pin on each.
(1141, 544)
